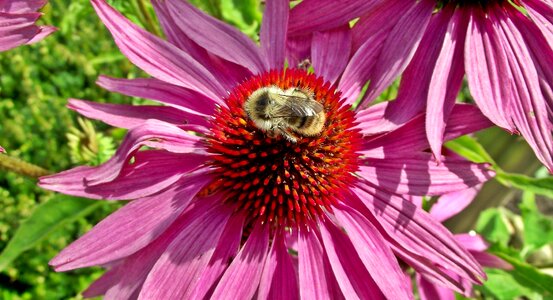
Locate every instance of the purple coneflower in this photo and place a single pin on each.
(17, 23)
(446, 207)
(223, 209)
(504, 48)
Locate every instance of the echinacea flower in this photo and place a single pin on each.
(225, 210)
(504, 48)
(446, 207)
(17, 23)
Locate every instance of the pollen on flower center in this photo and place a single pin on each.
(276, 179)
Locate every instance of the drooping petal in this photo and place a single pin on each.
(315, 275)
(419, 175)
(320, 15)
(17, 29)
(542, 14)
(160, 91)
(279, 279)
(392, 60)
(524, 97)
(451, 204)
(330, 52)
(446, 79)
(431, 291)
(273, 32)
(246, 267)
(217, 37)
(156, 56)
(129, 116)
(226, 250)
(130, 228)
(368, 243)
(487, 68)
(152, 171)
(166, 136)
(379, 59)
(21, 6)
(491, 261)
(416, 234)
(411, 137)
(180, 266)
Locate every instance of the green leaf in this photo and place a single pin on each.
(469, 148)
(502, 285)
(46, 218)
(530, 277)
(542, 186)
(493, 225)
(538, 228)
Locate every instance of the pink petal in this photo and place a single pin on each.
(491, 261)
(451, 204)
(157, 57)
(134, 269)
(320, 15)
(2, 150)
(17, 29)
(472, 242)
(446, 79)
(279, 279)
(227, 73)
(167, 136)
(370, 118)
(410, 137)
(101, 285)
(392, 60)
(431, 291)
(152, 171)
(368, 243)
(315, 276)
(160, 91)
(217, 37)
(225, 252)
(130, 228)
(21, 6)
(298, 50)
(378, 21)
(179, 268)
(330, 52)
(531, 114)
(247, 267)
(419, 175)
(486, 67)
(273, 32)
(542, 14)
(129, 116)
(417, 234)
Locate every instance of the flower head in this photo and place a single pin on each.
(17, 23)
(225, 207)
(503, 47)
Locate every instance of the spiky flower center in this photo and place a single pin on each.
(274, 179)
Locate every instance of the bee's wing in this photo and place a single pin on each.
(298, 107)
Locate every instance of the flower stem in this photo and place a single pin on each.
(147, 18)
(21, 167)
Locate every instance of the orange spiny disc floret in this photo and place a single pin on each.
(275, 180)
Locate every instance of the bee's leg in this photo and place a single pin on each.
(289, 136)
